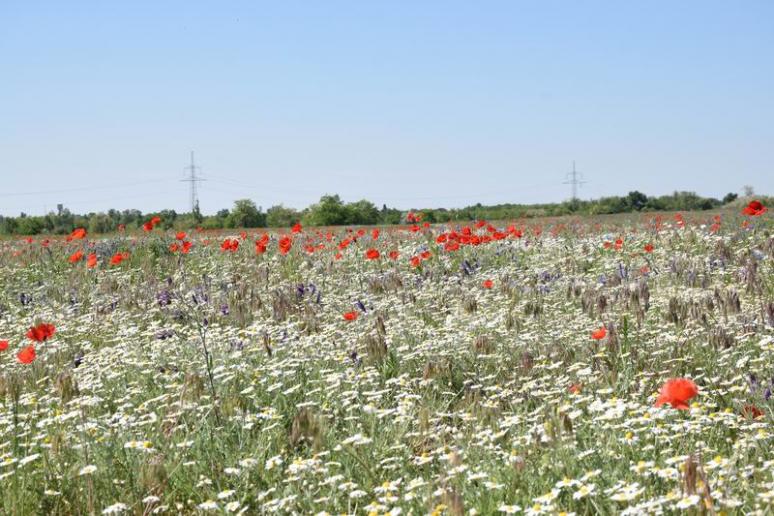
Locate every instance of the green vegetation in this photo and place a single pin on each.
(332, 211)
(514, 373)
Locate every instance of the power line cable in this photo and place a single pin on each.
(84, 188)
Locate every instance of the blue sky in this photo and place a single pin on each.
(412, 104)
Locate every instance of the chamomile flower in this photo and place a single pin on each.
(687, 501)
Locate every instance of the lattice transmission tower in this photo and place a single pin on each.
(192, 178)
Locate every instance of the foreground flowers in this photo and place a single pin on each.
(26, 355)
(754, 209)
(41, 332)
(76, 256)
(117, 258)
(471, 382)
(677, 392)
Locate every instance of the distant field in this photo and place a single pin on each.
(610, 220)
(461, 368)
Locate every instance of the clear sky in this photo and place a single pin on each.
(409, 103)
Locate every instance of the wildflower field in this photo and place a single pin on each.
(616, 365)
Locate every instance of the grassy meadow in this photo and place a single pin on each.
(422, 369)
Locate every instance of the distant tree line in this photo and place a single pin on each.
(332, 211)
(633, 202)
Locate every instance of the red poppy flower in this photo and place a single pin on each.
(425, 255)
(372, 254)
(186, 247)
(297, 228)
(260, 247)
(487, 284)
(76, 256)
(648, 248)
(117, 258)
(26, 355)
(575, 388)
(180, 235)
(230, 245)
(607, 245)
(91, 262)
(676, 392)
(148, 226)
(285, 244)
(3, 345)
(155, 220)
(754, 209)
(121, 227)
(752, 412)
(174, 247)
(394, 255)
(375, 234)
(77, 234)
(599, 334)
(350, 316)
(415, 261)
(41, 332)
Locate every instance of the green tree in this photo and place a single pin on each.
(362, 212)
(100, 223)
(29, 225)
(197, 214)
(281, 217)
(636, 200)
(330, 211)
(8, 225)
(246, 215)
(730, 197)
(389, 215)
